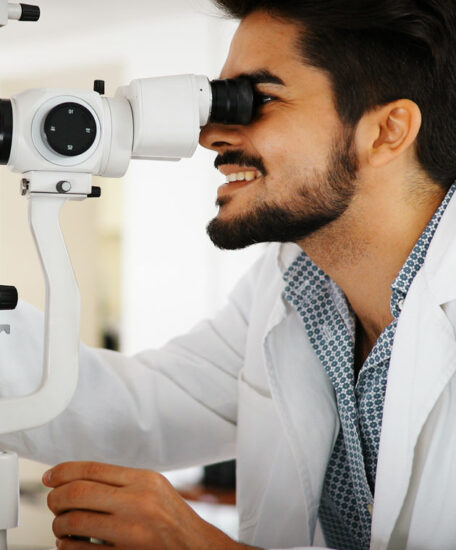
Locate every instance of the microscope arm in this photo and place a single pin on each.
(62, 316)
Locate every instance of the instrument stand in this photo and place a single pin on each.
(47, 192)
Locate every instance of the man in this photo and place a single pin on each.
(330, 374)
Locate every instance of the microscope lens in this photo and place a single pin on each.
(232, 101)
(6, 130)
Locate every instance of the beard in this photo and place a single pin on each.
(319, 200)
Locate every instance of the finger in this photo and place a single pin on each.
(91, 471)
(86, 495)
(79, 523)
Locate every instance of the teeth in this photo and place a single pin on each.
(243, 176)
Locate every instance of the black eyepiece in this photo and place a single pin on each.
(232, 101)
(29, 12)
(6, 130)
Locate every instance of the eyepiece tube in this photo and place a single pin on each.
(6, 130)
(232, 101)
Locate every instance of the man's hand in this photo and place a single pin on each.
(127, 508)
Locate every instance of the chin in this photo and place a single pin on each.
(225, 234)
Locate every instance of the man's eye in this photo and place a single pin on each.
(265, 98)
(259, 102)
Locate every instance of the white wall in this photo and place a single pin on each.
(173, 275)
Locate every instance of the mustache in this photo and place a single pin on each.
(239, 158)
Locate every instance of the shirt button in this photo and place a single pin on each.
(370, 509)
(400, 304)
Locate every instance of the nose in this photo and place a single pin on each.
(217, 136)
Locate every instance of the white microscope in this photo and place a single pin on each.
(57, 139)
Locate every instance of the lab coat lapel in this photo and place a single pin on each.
(422, 363)
(305, 400)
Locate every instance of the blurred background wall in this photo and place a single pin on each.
(146, 269)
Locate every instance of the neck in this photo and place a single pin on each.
(364, 250)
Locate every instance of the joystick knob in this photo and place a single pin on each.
(8, 297)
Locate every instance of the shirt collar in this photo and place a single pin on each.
(305, 281)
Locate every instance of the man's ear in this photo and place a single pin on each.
(386, 132)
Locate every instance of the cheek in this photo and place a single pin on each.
(294, 141)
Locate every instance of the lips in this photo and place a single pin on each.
(232, 186)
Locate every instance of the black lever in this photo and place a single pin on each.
(8, 297)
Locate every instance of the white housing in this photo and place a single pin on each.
(109, 155)
(154, 118)
(9, 10)
(168, 113)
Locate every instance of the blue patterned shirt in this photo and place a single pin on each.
(348, 489)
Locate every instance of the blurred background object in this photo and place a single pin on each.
(146, 269)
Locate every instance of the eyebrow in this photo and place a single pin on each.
(263, 76)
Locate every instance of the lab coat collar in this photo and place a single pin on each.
(286, 255)
(440, 265)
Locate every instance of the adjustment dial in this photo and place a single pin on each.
(70, 129)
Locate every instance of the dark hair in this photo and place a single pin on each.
(378, 51)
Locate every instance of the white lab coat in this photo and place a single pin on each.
(247, 384)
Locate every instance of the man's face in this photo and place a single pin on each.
(300, 156)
